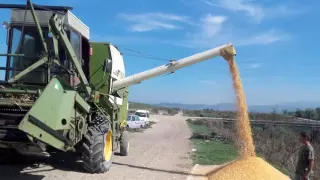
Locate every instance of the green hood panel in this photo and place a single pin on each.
(50, 117)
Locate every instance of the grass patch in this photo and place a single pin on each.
(213, 152)
(199, 128)
(210, 152)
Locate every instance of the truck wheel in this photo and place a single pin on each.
(97, 147)
(124, 144)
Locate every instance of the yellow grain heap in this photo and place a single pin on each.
(250, 168)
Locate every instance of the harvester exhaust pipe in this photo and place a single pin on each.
(227, 51)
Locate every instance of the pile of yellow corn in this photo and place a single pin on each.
(250, 168)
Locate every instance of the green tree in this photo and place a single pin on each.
(170, 111)
(298, 113)
(285, 112)
(154, 111)
(318, 113)
(274, 113)
(310, 113)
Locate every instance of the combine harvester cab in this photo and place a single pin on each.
(64, 93)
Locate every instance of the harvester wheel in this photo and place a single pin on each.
(97, 146)
(124, 144)
(3, 156)
(7, 156)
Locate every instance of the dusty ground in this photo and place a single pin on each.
(160, 152)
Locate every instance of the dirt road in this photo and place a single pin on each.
(160, 152)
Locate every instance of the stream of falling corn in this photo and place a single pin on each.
(248, 166)
(245, 141)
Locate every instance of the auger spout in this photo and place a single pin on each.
(224, 50)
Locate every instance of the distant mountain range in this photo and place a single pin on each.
(291, 106)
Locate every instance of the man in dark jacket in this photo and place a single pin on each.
(306, 159)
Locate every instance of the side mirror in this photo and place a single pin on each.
(107, 66)
(6, 25)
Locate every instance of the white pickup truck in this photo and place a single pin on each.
(143, 115)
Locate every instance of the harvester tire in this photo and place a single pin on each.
(3, 156)
(97, 146)
(8, 156)
(124, 143)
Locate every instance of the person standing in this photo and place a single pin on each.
(305, 162)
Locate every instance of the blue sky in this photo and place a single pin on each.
(276, 44)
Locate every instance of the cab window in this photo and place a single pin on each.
(75, 39)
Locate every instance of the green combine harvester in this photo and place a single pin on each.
(62, 92)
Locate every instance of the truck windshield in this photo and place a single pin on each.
(141, 114)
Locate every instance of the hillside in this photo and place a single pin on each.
(290, 106)
(156, 109)
(225, 111)
(137, 105)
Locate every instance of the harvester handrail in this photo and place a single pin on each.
(36, 7)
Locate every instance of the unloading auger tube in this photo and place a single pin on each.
(227, 51)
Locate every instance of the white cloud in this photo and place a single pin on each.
(254, 65)
(250, 9)
(208, 82)
(264, 38)
(155, 21)
(211, 25)
(209, 31)
(256, 11)
(206, 35)
(215, 30)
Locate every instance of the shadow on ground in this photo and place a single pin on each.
(16, 166)
(158, 170)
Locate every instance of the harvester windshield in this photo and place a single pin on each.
(31, 47)
(26, 47)
(29, 44)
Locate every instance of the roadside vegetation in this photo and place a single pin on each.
(154, 109)
(277, 145)
(274, 115)
(308, 113)
(285, 114)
